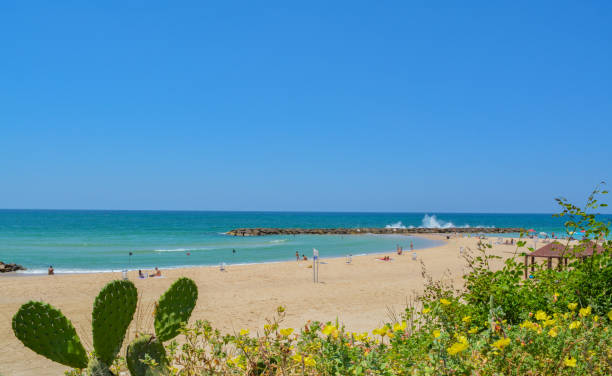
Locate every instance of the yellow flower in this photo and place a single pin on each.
(473, 330)
(584, 312)
(244, 332)
(572, 306)
(530, 325)
(308, 360)
(458, 346)
(436, 333)
(445, 301)
(380, 331)
(549, 322)
(501, 343)
(398, 327)
(570, 362)
(330, 330)
(595, 318)
(610, 315)
(466, 319)
(286, 332)
(574, 325)
(552, 332)
(427, 310)
(541, 316)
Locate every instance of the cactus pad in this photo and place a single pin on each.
(137, 350)
(113, 311)
(46, 331)
(174, 308)
(97, 368)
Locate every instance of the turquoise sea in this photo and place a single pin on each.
(88, 241)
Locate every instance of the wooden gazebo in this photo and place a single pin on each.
(561, 252)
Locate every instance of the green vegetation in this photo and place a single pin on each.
(557, 322)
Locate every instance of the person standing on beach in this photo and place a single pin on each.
(297, 256)
(411, 246)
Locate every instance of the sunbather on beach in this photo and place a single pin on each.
(157, 273)
(140, 275)
(50, 271)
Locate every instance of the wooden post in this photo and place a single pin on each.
(532, 264)
(526, 263)
(549, 263)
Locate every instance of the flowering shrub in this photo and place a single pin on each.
(570, 343)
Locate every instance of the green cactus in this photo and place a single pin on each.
(174, 308)
(46, 331)
(96, 367)
(138, 350)
(113, 311)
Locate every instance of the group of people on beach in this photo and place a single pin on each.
(400, 249)
(156, 273)
(297, 256)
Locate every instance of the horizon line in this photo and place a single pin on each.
(276, 211)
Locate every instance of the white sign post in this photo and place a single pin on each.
(315, 265)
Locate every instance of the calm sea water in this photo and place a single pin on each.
(87, 241)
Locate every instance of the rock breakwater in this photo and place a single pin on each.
(369, 230)
(6, 268)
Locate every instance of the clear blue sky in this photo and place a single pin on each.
(324, 105)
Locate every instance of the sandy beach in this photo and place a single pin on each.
(358, 294)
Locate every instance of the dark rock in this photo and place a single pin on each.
(357, 231)
(6, 268)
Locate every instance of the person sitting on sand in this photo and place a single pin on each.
(140, 275)
(399, 251)
(51, 271)
(157, 273)
(304, 258)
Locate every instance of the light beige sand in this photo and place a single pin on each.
(358, 295)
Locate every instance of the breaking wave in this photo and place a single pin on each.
(431, 221)
(396, 225)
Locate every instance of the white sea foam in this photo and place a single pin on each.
(431, 221)
(397, 224)
(277, 241)
(179, 250)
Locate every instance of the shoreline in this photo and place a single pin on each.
(23, 274)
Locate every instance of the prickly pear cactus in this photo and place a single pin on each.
(96, 367)
(137, 350)
(113, 311)
(175, 308)
(46, 331)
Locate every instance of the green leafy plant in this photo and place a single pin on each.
(46, 331)
(146, 354)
